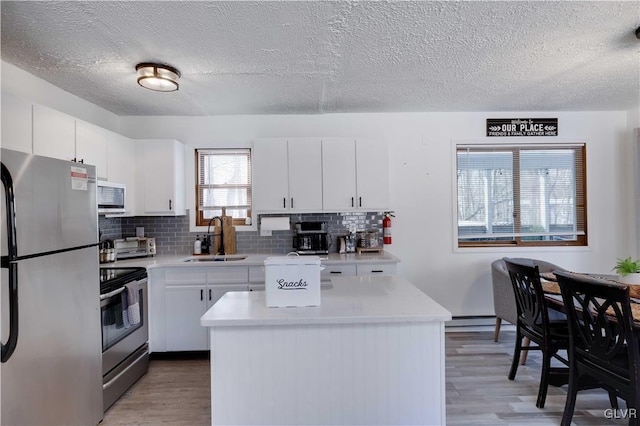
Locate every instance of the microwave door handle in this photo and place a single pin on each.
(9, 262)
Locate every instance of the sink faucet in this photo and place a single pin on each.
(221, 250)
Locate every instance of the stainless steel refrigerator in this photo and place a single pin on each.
(51, 372)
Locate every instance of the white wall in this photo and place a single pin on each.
(422, 181)
(422, 178)
(24, 85)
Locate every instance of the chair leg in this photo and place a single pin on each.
(570, 403)
(544, 379)
(523, 359)
(613, 399)
(516, 355)
(497, 329)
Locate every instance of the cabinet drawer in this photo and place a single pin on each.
(226, 275)
(331, 271)
(378, 269)
(185, 276)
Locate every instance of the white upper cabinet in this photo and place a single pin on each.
(163, 183)
(287, 175)
(54, 133)
(305, 174)
(372, 174)
(270, 175)
(355, 174)
(91, 147)
(339, 174)
(121, 166)
(16, 124)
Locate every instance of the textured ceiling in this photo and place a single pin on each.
(311, 57)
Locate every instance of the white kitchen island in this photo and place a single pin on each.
(372, 353)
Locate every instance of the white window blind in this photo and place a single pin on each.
(223, 180)
(524, 195)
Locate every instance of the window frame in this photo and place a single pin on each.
(200, 220)
(580, 210)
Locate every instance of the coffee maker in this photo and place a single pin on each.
(311, 238)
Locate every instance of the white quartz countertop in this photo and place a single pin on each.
(251, 260)
(366, 299)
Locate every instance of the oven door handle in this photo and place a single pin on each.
(112, 293)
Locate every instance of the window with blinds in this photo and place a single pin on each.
(223, 179)
(521, 195)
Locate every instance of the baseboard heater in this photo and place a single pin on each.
(471, 320)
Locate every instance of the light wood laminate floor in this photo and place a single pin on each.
(176, 391)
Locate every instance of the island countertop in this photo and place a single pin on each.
(364, 299)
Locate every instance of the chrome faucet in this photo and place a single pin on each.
(221, 250)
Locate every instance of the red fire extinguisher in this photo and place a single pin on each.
(386, 227)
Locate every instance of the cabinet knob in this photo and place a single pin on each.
(359, 201)
(209, 294)
(352, 205)
(169, 204)
(284, 202)
(201, 294)
(81, 161)
(291, 202)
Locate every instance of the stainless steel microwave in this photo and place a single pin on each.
(111, 197)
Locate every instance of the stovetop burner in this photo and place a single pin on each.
(113, 278)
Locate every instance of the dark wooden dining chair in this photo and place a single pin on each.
(603, 341)
(545, 335)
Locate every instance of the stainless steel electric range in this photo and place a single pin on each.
(125, 332)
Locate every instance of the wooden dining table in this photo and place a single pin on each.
(554, 298)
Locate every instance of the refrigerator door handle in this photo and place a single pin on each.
(9, 262)
(7, 183)
(12, 341)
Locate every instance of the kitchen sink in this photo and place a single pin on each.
(218, 258)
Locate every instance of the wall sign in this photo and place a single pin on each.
(522, 127)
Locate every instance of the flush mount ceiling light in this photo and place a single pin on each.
(161, 78)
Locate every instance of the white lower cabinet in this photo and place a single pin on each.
(185, 305)
(180, 296)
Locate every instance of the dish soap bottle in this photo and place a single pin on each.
(197, 245)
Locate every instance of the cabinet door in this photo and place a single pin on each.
(54, 133)
(91, 147)
(184, 305)
(372, 166)
(270, 175)
(338, 174)
(121, 167)
(16, 124)
(163, 177)
(305, 174)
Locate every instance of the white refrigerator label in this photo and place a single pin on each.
(79, 178)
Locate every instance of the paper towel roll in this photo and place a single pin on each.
(275, 223)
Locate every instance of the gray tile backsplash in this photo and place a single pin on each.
(173, 237)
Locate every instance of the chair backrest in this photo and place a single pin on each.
(503, 299)
(600, 325)
(527, 289)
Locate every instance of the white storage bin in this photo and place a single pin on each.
(292, 281)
